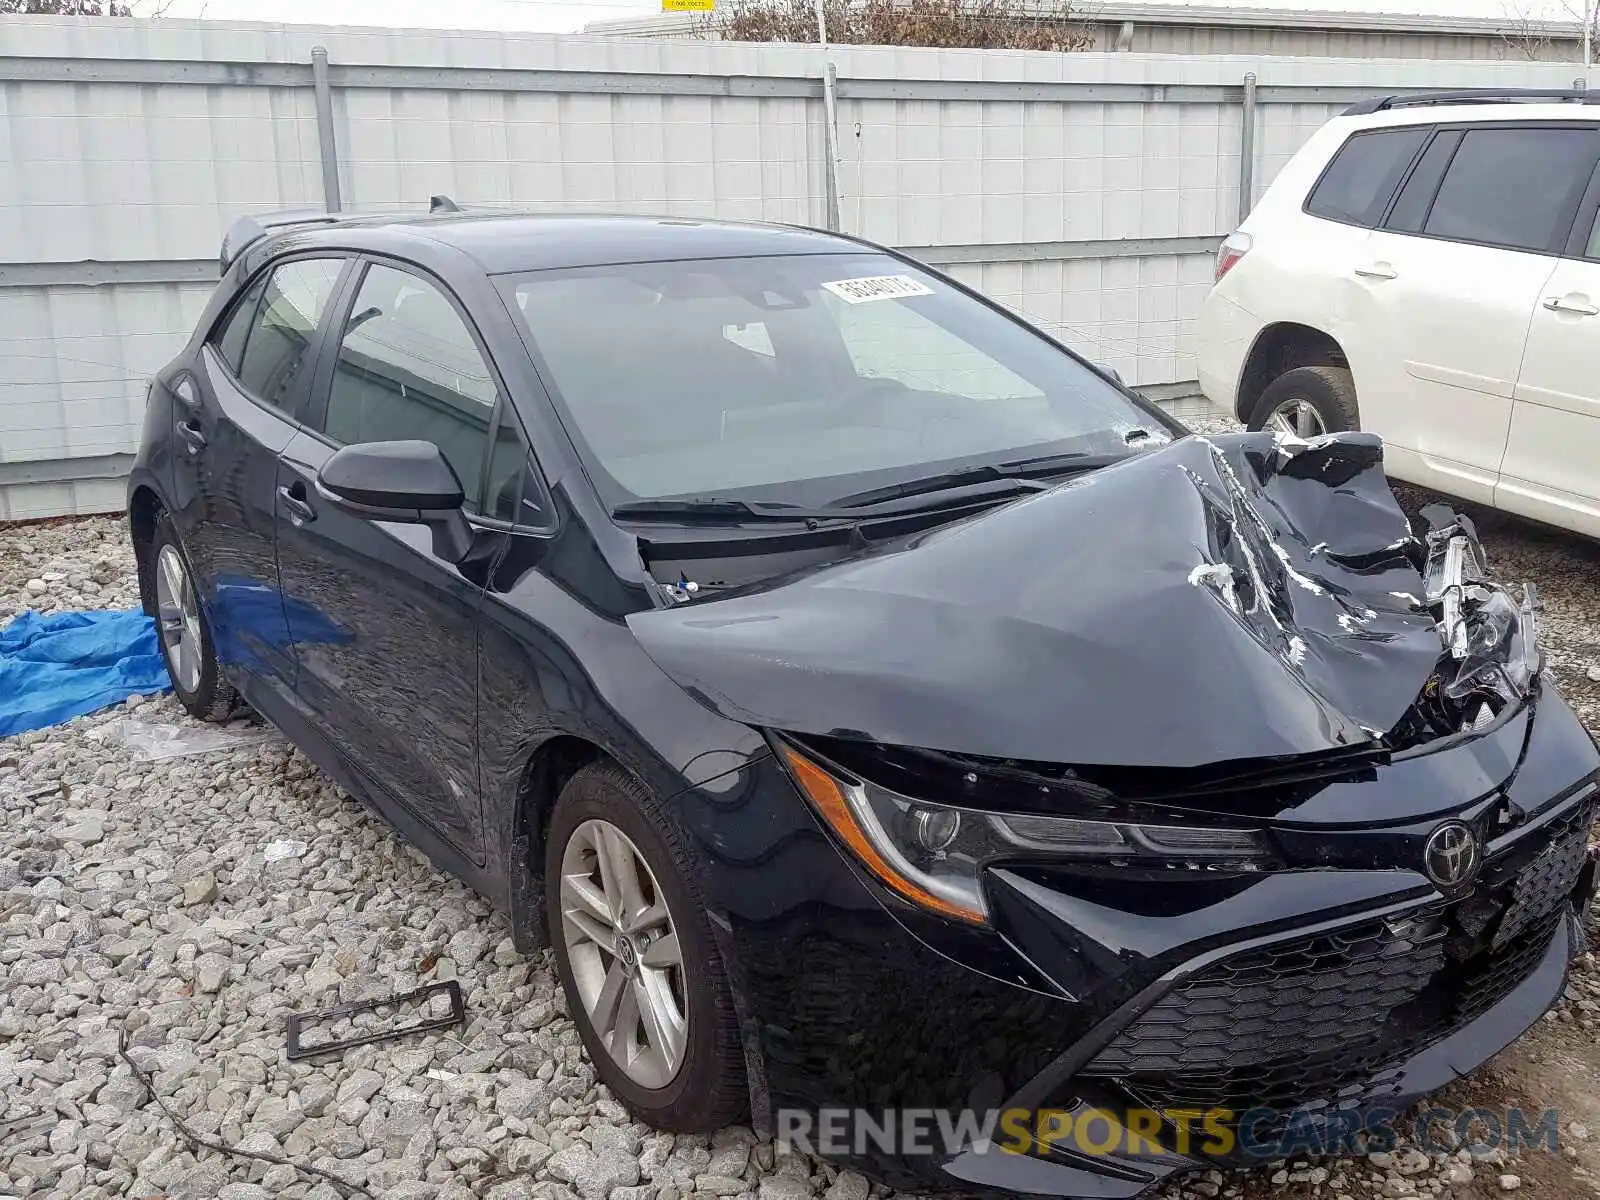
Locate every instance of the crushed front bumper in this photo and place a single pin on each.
(1331, 1017)
(1367, 1095)
(1297, 1042)
(1348, 990)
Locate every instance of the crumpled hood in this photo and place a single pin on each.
(1235, 597)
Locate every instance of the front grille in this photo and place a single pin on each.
(1325, 992)
(1548, 880)
(1323, 1021)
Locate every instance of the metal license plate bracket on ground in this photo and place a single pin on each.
(299, 1023)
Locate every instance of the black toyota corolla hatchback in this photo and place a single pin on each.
(900, 732)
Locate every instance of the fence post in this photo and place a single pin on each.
(1247, 148)
(325, 144)
(830, 116)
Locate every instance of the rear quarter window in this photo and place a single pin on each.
(1363, 176)
(230, 338)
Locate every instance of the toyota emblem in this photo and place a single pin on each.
(1451, 855)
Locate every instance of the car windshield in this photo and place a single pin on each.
(801, 378)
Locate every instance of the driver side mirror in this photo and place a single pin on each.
(409, 482)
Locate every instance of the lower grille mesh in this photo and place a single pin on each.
(1322, 1021)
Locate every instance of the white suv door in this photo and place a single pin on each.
(1551, 469)
(1447, 287)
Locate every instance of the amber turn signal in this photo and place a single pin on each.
(827, 796)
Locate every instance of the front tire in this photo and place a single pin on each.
(643, 978)
(1307, 402)
(184, 633)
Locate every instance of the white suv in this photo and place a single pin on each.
(1428, 268)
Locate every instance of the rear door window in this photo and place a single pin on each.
(1516, 187)
(1362, 177)
(278, 343)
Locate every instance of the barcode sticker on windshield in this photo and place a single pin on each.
(877, 287)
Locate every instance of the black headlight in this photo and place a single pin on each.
(933, 854)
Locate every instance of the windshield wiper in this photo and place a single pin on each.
(721, 508)
(1022, 473)
(986, 482)
(726, 510)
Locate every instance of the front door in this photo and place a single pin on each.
(384, 629)
(1449, 322)
(234, 416)
(1552, 465)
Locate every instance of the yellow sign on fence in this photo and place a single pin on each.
(688, 5)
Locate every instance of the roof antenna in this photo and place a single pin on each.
(442, 204)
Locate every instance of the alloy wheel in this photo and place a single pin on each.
(622, 946)
(178, 615)
(1298, 418)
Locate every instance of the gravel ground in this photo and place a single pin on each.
(196, 901)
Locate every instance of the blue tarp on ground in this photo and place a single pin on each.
(57, 666)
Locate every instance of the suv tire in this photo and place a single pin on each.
(663, 968)
(184, 633)
(1308, 401)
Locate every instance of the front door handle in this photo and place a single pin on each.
(1377, 270)
(193, 435)
(299, 508)
(1573, 302)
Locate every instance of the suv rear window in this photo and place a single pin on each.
(1516, 188)
(1359, 181)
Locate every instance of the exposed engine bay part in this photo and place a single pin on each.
(1217, 600)
(1491, 641)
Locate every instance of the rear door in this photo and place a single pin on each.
(1312, 262)
(1450, 283)
(384, 629)
(235, 413)
(1551, 469)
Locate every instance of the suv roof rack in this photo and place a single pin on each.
(1475, 96)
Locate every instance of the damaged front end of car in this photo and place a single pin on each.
(1232, 599)
(1263, 788)
(1492, 654)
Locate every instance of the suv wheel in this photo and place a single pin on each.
(1308, 401)
(643, 978)
(185, 634)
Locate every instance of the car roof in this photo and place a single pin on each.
(1478, 104)
(510, 242)
(1437, 114)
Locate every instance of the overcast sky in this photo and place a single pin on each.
(563, 16)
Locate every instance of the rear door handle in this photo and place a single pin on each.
(1377, 270)
(193, 435)
(300, 510)
(1572, 303)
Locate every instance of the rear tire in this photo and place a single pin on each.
(667, 967)
(184, 633)
(1307, 402)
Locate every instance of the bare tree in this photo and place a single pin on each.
(977, 24)
(1525, 36)
(65, 8)
(1532, 30)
